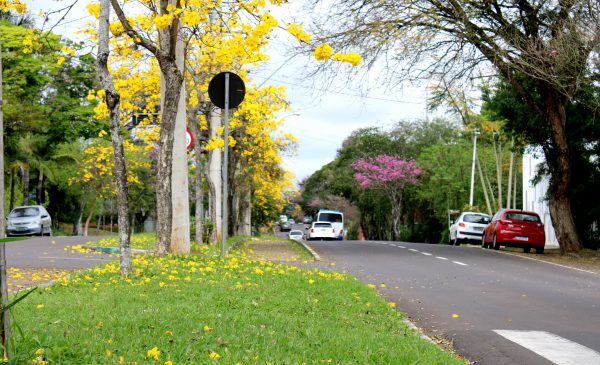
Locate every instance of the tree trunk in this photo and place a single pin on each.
(88, 219)
(214, 175)
(510, 174)
(198, 184)
(396, 200)
(25, 185)
(77, 231)
(498, 159)
(40, 187)
(560, 180)
(112, 102)
(485, 190)
(13, 177)
(164, 209)
(246, 213)
(180, 192)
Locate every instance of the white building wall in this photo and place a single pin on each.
(534, 196)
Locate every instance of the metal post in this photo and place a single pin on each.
(473, 167)
(225, 166)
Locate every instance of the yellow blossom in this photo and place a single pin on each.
(323, 52)
(153, 353)
(351, 58)
(213, 355)
(39, 306)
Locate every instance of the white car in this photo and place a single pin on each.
(296, 234)
(468, 226)
(321, 231)
(29, 220)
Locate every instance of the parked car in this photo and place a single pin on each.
(321, 231)
(296, 234)
(515, 228)
(468, 227)
(29, 220)
(285, 226)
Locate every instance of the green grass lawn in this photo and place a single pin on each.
(12, 239)
(197, 309)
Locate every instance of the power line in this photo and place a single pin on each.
(341, 92)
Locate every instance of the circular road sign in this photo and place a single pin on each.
(189, 139)
(216, 90)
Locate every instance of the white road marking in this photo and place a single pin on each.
(413, 250)
(441, 258)
(460, 263)
(558, 350)
(400, 246)
(426, 253)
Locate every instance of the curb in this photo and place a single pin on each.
(237, 243)
(104, 249)
(419, 331)
(309, 249)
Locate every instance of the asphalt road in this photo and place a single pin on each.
(489, 291)
(49, 252)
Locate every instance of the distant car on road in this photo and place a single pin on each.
(321, 231)
(29, 220)
(292, 222)
(515, 228)
(285, 226)
(468, 226)
(282, 219)
(307, 220)
(296, 234)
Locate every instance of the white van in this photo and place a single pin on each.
(336, 218)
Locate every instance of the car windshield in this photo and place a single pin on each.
(476, 218)
(331, 217)
(295, 233)
(323, 225)
(24, 212)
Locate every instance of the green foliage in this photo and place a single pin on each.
(583, 136)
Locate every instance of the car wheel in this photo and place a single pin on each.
(495, 243)
(539, 250)
(456, 241)
(483, 244)
(41, 234)
(527, 249)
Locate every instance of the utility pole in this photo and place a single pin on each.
(475, 133)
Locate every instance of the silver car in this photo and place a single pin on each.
(29, 220)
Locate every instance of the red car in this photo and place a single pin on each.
(515, 228)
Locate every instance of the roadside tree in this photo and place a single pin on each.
(391, 175)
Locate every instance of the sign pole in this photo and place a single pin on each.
(225, 166)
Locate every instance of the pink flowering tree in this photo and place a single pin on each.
(389, 174)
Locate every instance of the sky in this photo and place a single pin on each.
(323, 112)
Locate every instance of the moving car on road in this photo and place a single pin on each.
(468, 227)
(321, 231)
(336, 218)
(515, 228)
(286, 226)
(296, 234)
(29, 220)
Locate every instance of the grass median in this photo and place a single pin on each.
(199, 309)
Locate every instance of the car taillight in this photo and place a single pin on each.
(461, 224)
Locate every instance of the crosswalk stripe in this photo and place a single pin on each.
(557, 349)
